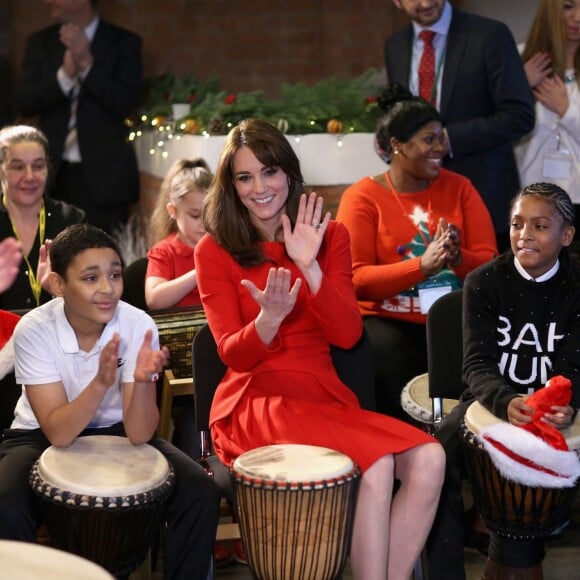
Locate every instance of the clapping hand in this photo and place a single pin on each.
(78, 49)
(43, 269)
(150, 362)
(303, 242)
(451, 244)
(10, 256)
(433, 260)
(277, 299)
(109, 362)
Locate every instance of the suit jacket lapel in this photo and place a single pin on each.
(456, 40)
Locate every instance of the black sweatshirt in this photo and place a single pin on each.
(518, 333)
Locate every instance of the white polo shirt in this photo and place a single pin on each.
(47, 351)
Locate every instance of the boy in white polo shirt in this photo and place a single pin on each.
(88, 363)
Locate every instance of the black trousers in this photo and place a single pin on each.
(192, 510)
(445, 544)
(399, 351)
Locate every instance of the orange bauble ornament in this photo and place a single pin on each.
(190, 126)
(334, 126)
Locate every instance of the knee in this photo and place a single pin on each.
(380, 473)
(432, 463)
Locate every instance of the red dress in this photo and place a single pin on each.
(289, 392)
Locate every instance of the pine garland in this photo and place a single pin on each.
(333, 104)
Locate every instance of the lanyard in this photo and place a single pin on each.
(425, 239)
(32, 279)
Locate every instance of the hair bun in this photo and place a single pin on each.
(391, 95)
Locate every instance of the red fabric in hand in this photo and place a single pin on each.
(558, 391)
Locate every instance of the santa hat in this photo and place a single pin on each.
(8, 321)
(527, 459)
(536, 455)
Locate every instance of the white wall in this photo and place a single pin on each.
(517, 14)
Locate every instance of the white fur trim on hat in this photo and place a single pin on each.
(523, 457)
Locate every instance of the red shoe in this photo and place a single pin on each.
(221, 554)
(239, 553)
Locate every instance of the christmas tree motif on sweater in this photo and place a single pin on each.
(417, 247)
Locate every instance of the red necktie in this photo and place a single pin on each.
(427, 67)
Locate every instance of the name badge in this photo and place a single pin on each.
(557, 167)
(428, 295)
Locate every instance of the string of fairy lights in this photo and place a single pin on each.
(161, 130)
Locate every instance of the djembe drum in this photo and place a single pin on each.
(27, 561)
(295, 508)
(103, 498)
(519, 516)
(417, 403)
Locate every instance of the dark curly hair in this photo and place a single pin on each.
(404, 115)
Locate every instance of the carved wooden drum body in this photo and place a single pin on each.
(296, 507)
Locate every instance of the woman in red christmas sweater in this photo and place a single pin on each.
(416, 231)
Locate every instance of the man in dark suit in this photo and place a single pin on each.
(82, 78)
(480, 90)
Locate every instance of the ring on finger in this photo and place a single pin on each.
(316, 226)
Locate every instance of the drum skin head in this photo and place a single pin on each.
(291, 462)
(27, 561)
(417, 403)
(103, 465)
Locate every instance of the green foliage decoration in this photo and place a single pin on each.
(300, 109)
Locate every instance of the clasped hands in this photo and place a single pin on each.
(443, 250)
(77, 56)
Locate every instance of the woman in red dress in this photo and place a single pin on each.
(275, 278)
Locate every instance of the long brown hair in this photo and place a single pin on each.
(224, 215)
(548, 34)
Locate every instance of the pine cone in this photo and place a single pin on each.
(216, 126)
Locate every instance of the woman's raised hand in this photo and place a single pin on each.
(276, 301)
(10, 257)
(277, 298)
(43, 270)
(303, 243)
(433, 260)
(537, 68)
(453, 256)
